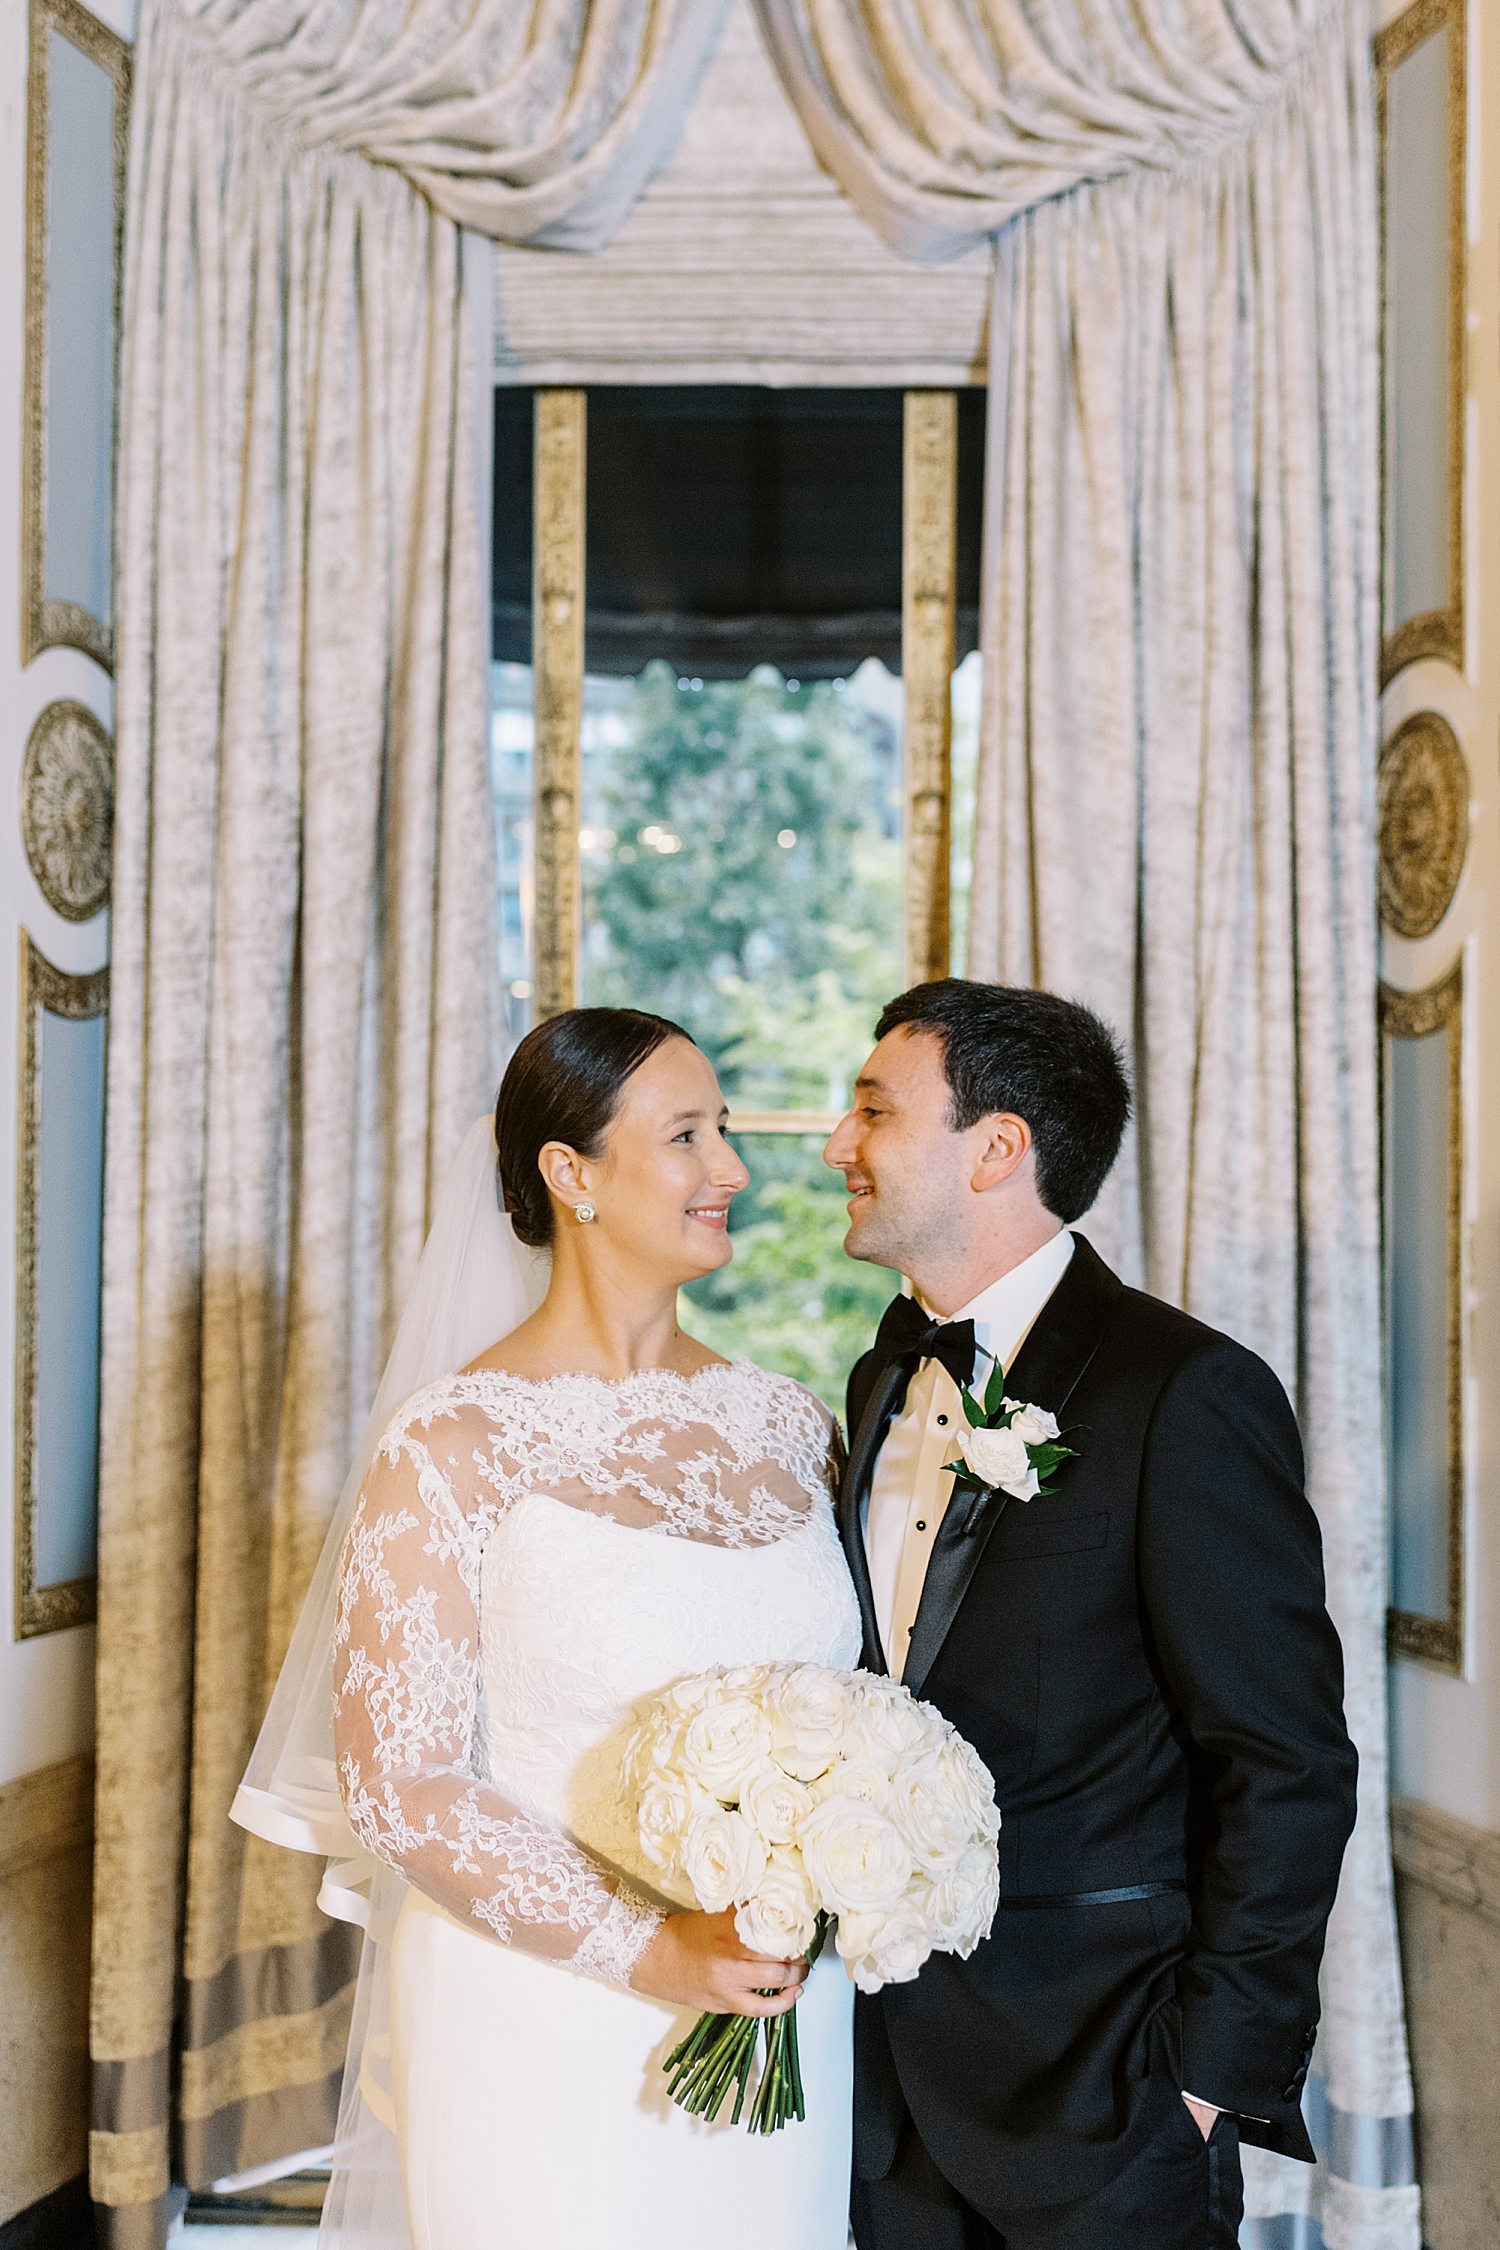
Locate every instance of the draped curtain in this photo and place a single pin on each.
(1175, 822)
(1175, 812)
(305, 991)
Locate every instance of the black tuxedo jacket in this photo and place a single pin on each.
(1143, 1659)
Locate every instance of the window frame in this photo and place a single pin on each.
(928, 618)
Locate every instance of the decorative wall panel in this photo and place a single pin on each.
(77, 119)
(68, 809)
(58, 1231)
(1422, 1034)
(1420, 94)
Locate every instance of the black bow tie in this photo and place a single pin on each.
(908, 1335)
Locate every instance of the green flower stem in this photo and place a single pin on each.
(719, 2053)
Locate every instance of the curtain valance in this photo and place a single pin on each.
(943, 122)
(530, 124)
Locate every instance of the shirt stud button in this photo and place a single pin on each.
(942, 1421)
(920, 1525)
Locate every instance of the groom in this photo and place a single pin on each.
(1140, 1654)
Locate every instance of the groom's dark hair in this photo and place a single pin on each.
(1051, 1061)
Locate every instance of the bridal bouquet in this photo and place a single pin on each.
(804, 1797)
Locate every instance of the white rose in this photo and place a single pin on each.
(964, 1900)
(775, 1803)
(809, 1710)
(932, 1815)
(635, 1761)
(685, 1698)
(752, 1680)
(999, 1458)
(857, 1860)
(1033, 1423)
(722, 1743)
(862, 1779)
(665, 1812)
(781, 1915)
(890, 1726)
(723, 1859)
(969, 1781)
(880, 1949)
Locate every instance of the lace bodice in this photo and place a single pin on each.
(496, 1618)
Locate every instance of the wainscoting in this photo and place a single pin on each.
(46, 1872)
(1448, 1912)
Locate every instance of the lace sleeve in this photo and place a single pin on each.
(406, 1676)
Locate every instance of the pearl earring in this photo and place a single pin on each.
(584, 1214)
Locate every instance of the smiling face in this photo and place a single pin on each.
(909, 1174)
(662, 1187)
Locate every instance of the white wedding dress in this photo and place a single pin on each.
(528, 1562)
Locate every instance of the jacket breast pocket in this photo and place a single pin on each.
(1031, 1529)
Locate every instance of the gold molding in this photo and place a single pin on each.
(1424, 823)
(557, 610)
(46, 1814)
(45, 1609)
(68, 809)
(929, 526)
(1438, 632)
(1460, 1863)
(1414, 1015)
(49, 624)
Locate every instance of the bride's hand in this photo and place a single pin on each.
(697, 1961)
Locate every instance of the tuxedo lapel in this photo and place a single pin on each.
(1045, 1372)
(881, 1402)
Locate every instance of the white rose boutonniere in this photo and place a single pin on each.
(1008, 1446)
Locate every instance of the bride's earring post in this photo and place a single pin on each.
(584, 1213)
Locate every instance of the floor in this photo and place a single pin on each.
(214, 2237)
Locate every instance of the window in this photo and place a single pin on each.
(730, 783)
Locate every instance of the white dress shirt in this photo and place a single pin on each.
(909, 1493)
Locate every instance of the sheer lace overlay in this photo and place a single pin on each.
(731, 1456)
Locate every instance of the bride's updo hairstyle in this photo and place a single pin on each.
(564, 1083)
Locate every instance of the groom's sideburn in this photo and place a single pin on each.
(1143, 1659)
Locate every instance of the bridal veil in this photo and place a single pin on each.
(474, 1284)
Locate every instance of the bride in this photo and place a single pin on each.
(594, 1506)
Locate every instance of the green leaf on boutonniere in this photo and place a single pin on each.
(973, 1410)
(994, 1394)
(1045, 1458)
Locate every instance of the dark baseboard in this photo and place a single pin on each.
(63, 2220)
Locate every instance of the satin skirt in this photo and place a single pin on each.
(532, 2111)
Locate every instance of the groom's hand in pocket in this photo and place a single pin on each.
(697, 1961)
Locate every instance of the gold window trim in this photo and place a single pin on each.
(929, 584)
(44, 623)
(39, 1609)
(1414, 1015)
(1434, 632)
